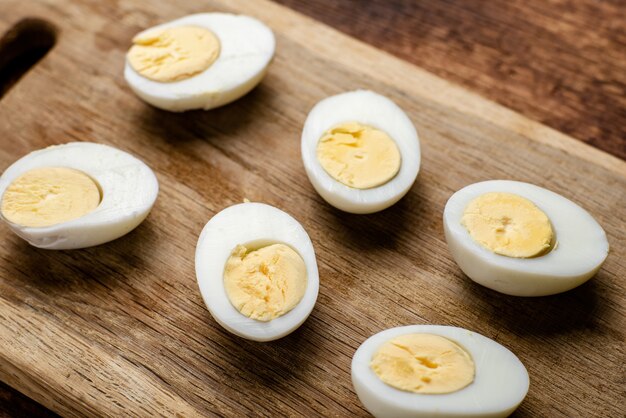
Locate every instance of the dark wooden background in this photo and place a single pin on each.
(561, 62)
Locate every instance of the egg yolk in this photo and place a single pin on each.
(358, 156)
(49, 196)
(423, 363)
(509, 225)
(173, 54)
(265, 283)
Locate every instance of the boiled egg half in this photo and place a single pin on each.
(360, 151)
(521, 239)
(257, 272)
(437, 371)
(76, 195)
(200, 61)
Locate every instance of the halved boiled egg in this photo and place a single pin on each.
(521, 239)
(200, 61)
(257, 272)
(430, 370)
(360, 151)
(76, 195)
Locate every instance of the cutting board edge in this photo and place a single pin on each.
(422, 83)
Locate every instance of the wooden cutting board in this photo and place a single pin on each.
(121, 329)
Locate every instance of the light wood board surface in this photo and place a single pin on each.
(120, 329)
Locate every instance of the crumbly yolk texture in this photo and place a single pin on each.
(265, 283)
(423, 363)
(173, 54)
(49, 196)
(509, 225)
(358, 156)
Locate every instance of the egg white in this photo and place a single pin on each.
(258, 224)
(247, 48)
(129, 189)
(368, 108)
(500, 384)
(581, 244)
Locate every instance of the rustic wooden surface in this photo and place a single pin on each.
(121, 328)
(561, 62)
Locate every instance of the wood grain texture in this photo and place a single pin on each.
(560, 62)
(121, 328)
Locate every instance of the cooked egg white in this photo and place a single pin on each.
(257, 271)
(200, 61)
(360, 151)
(522, 240)
(460, 373)
(76, 195)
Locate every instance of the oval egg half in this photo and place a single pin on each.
(499, 386)
(580, 249)
(246, 48)
(255, 225)
(369, 109)
(128, 188)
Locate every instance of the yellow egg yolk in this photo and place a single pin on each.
(423, 363)
(509, 225)
(265, 283)
(358, 156)
(49, 196)
(173, 54)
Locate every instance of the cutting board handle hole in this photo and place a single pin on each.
(21, 47)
